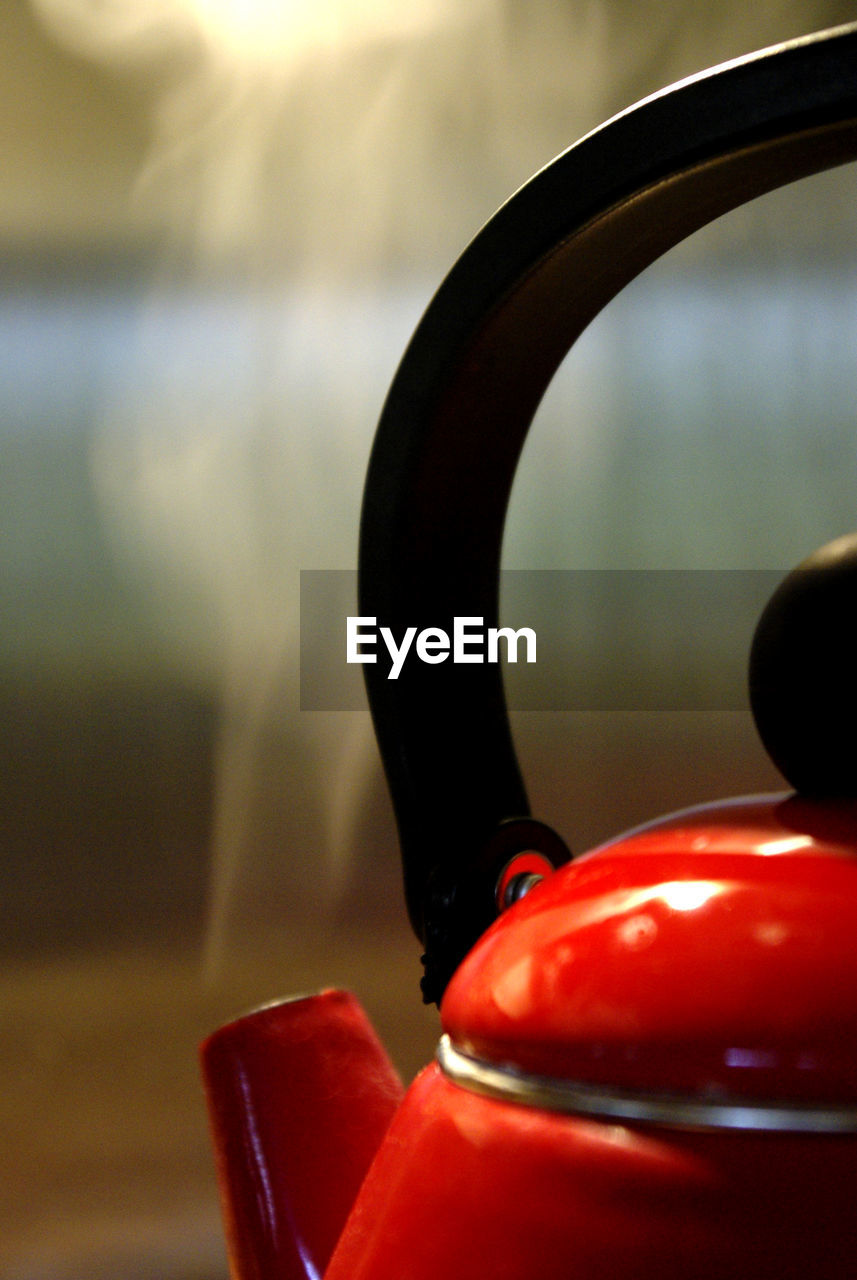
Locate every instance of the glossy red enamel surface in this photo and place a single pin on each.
(300, 1095)
(467, 1187)
(716, 950)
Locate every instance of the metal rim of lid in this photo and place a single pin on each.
(602, 1102)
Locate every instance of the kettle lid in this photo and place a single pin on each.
(708, 954)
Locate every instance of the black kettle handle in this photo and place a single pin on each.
(458, 411)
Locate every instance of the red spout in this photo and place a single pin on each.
(300, 1095)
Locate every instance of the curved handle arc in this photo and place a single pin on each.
(460, 406)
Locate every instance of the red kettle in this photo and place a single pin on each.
(648, 1064)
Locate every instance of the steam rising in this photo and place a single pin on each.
(234, 455)
(265, 115)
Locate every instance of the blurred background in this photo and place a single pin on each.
(219, 223)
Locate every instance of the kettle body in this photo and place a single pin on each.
(648, 1068)
(648, 1064)
(583, 1199)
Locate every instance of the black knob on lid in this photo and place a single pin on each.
(803, 673)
